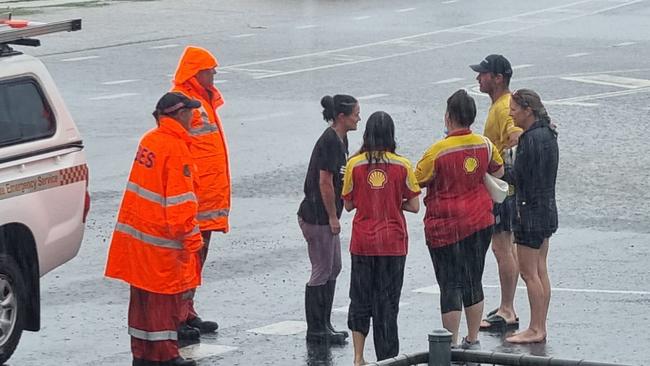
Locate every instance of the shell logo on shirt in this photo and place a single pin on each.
(377, 179)
(470, 164)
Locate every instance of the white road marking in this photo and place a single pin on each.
(118, 82)
(576, 104)
(404, 10)
(245, 35)
(427, 49)
(523, 66)
(579, 54)
(344, 309)
(308, 26)
(449, 81)
(435, 290)
(83, 58)
(449, 2)
(267, 116)
(288, 327)
(363, 17)
(114, 96)
(163, 46)
(220, 81)
(611, 80)
(372, 96)
(603, 95)
(203, 350)
(624, 44)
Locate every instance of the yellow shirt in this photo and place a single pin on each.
(499, 125)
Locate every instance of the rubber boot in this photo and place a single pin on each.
(331, 288)
(315, 303)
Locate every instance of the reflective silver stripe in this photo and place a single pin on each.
(155, 197)
(194, 231)
(207, 128)
(149, 239)
(205, 215)
(165, 335)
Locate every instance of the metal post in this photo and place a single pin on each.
(440, 348)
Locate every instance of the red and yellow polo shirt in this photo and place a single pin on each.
(377, 191)
(458, 204)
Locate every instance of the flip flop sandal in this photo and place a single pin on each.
(498, 323)
(489, 314)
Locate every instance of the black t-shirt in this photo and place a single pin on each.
(329, 154)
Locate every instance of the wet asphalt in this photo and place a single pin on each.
(587, 59)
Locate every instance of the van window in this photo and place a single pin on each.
(25, 115)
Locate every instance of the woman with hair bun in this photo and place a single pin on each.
(319, 214)
(380, 185)
(534, 176)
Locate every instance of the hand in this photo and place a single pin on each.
(335, 225)
(513, 139)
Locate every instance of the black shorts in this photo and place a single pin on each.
(459, 270)
(532, 239)
(505, 214)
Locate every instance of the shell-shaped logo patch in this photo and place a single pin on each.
(377, 179)
(470, 164)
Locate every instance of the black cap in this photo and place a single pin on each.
(171, 102)
(496, 64)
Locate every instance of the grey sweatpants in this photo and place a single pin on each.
(324, 252)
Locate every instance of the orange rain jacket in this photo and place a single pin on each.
(157, 238)
(209, 147)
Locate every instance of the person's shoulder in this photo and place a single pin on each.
(398, 159)
(357, 159)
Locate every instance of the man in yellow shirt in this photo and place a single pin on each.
(494, 74)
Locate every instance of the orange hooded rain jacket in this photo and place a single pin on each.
(209, 148)
(157, 238)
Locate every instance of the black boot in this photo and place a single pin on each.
(315, 306)
(331, 287)
(204, 326)
(186, 332)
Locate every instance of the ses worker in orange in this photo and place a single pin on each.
(156, 242)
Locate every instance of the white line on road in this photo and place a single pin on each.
(372, 96)
(449, 81)
(579, 54)
(363, 17)
(431, 48)
(203, 350)
(624, 44)
(404, 10)
(603, 95)
(449, 2)
(435, 290)
(611, 80)
(288, 327)
(83, 58)
(307, 26)
(114, 96)
(245, 35)
(523, 66)
(267, 116)
(220, 81)
(118, 82)
(573, 104)
(163, 46)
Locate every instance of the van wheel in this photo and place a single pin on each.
(12, 305)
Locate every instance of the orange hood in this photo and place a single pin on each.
(193, 60)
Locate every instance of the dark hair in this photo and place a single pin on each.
(379, 137)
(528, 98)
(506, 79)
(461, 108)
(340, 103)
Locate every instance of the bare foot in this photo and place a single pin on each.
(527, 336)
(360, 362)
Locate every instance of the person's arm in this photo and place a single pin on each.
(348, 187)
(495, 165)
(412, 204)
(326, 185)
(181, 205)
(509, 129)
(425, 170)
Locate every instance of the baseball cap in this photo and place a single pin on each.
(496, 64)
(171, 102)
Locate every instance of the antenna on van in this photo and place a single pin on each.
(21, 32)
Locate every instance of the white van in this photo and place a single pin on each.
(43, 179)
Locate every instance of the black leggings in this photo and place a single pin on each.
(375, 289)
(459, 270)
